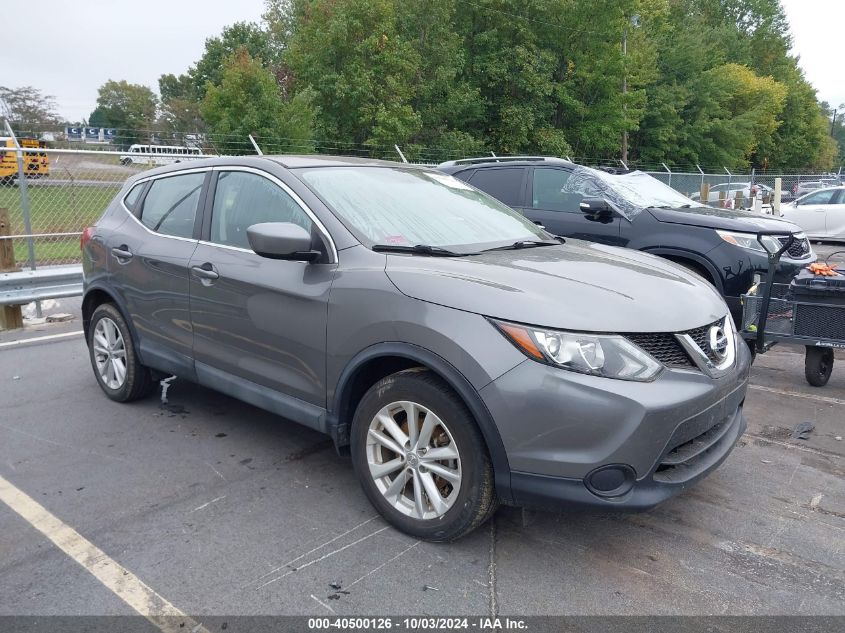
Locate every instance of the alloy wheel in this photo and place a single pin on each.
(109, 353)
(414, 460)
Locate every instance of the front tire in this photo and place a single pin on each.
(420, 457)
(114, 360)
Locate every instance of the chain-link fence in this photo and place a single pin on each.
(52, 193)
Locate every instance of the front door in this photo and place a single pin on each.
(262, 320)
(811, 212)
(558, 209)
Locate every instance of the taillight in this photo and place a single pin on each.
(86, 236)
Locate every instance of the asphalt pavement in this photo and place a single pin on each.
(222, 508)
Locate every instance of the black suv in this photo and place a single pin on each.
(637, 211)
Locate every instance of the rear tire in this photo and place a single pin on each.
(113, 357)
(818, 365)
(436, 482)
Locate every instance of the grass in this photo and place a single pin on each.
(55, 209)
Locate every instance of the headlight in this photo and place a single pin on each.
(749, 240)
(607, 355)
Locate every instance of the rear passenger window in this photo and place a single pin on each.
(170, 206)
(504, 184)
(131, 198)
(242, 199)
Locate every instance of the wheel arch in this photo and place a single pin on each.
(382, 359)
(690, 258)
(97, 295)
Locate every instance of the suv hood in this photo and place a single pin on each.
(726, 219)
(577, 286)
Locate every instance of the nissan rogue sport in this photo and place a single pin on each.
(463, 355)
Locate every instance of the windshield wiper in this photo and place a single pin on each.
(525, 244)
(420, 249)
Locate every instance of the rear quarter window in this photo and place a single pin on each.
(130, 200)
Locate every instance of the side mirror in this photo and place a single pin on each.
(281, 240)
(595, 206)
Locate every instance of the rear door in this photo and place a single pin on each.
(261, 320)
(558, 209)
(148, 266)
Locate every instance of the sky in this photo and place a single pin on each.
(84, 43)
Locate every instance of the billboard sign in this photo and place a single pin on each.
(92, 134)
(73, 133)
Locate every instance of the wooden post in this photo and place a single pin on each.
(10, 316)
(705, 193)
(739, 199)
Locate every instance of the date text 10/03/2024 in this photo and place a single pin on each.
(417, 623)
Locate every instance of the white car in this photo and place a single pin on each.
(820, 213)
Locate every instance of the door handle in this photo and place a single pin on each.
(122, 252)
(206, 271)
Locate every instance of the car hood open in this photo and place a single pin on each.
(725, 219)
(576, 286)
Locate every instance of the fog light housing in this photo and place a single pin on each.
(613, 480)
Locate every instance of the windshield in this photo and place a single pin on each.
(409, 207)
(629, 194)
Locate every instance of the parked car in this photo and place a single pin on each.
(462, 355)
(747, 190)
(637, 211)
(820, 213)
(801, 188)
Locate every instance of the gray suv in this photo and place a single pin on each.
(461, 354)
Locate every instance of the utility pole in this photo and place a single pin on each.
(833, 122)
(634, 21)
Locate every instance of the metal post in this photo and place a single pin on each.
(668, 171)
(401, 155)
(27, 220)
(255, 145)
(776, 200)
(730, 177)
(701, 187)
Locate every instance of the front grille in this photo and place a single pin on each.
(799, 249)
(666, 349)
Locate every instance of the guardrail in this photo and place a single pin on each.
(54, 282)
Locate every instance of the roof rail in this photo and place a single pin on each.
(494, 159)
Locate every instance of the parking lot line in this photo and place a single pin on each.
(119, 580)
(35, 339)
(797, 394)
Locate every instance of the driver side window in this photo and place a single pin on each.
(820, 197)
(549, 194)
(242, 199)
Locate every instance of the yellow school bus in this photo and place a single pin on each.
(36, 164)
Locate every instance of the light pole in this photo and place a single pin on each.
(833, 122)
(633, 21)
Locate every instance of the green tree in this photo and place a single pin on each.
(179, 110)
(209, 69)
(28, 109)
(131, 108)
(248, 101)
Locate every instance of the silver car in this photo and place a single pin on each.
(462, 355)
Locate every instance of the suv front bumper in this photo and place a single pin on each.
(654, 439)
